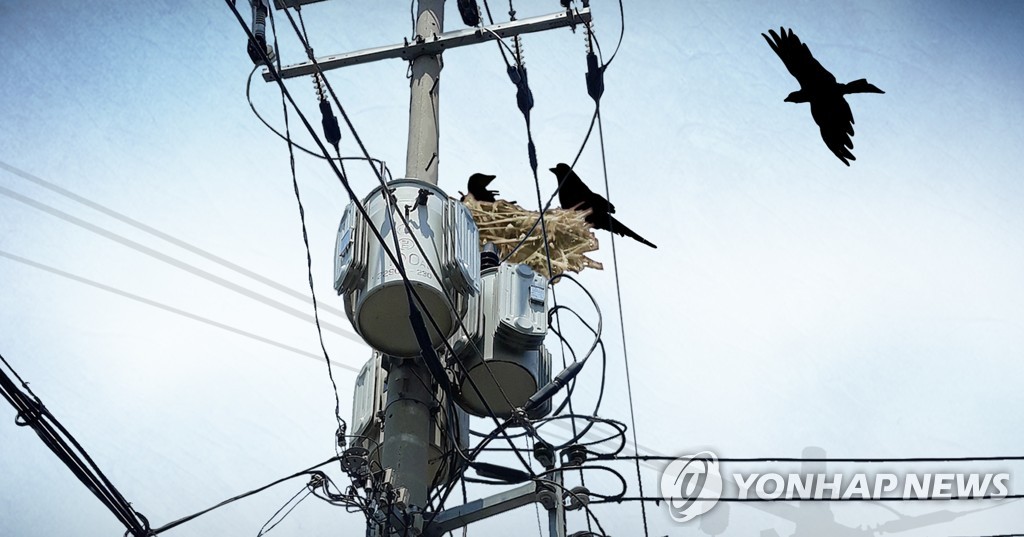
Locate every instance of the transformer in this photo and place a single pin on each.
(503, 360)
(439, 249)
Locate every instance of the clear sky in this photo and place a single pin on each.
(872, 311)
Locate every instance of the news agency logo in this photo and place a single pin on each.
(691, 485)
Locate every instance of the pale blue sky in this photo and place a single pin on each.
(875, 310)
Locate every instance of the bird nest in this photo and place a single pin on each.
(507, 224)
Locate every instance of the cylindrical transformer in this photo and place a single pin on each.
(506, 361)
(439, 251)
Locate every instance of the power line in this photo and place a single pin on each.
(168, 308)
(206, 254)
(182, 520)
(33, 413)
(173, 261)
(342, 426)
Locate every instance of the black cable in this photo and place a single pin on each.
(33, 413)
(595, 87)
(310, 152)
(606, 469)
(1000, 535)
(342, 426)
(585, 504)
(265, 530)
(182, 520)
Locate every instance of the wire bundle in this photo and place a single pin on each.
(33, 414)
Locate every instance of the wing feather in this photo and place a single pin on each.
(798, 59)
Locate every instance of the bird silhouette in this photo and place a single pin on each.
(573, 194)
(477, 187)
(819, 88)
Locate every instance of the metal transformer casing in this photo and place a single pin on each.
(440, 252)
(504, 355)
(368, 400)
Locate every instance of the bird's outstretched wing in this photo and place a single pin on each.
(798, 59)
(835, 120)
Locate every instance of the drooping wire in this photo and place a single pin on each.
(595, 88)
(622, 321)
(182, 520)
(248, 95)
(340, 434)
(291, 504)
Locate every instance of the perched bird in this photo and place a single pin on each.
(477, 187)
(819, 87)
(575, 195)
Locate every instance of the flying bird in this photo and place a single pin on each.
(819, 87)
(477, 187)
(575, 195)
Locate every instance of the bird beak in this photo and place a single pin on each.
(553, 170)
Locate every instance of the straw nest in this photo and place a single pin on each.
(506, 225)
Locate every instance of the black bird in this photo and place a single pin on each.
(819, 87)
(477, 187)
(575, 195)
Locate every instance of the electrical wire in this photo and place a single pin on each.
(168, 308)
(265, 529)
(252, 106)
(33, 413)
(150, 230)
(342, 426)
(182, 520)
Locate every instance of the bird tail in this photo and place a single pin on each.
(620, 229)
(860, 86)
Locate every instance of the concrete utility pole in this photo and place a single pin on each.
(421, 156)
(406, 447)
(405, 450)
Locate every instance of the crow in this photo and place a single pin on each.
(477, 187)
(575, 195)
(819, 87)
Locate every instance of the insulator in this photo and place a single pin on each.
(517, 44)
(588, 36)
(318, 84)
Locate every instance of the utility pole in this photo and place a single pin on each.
(405, 449)
(422, 154)
(407, 423)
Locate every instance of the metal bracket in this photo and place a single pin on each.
(463, 515)
(437, 45)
